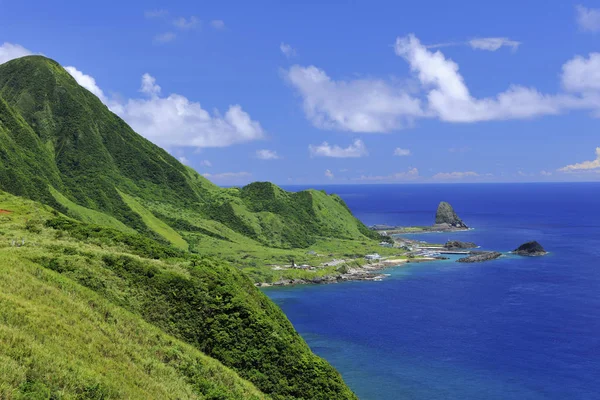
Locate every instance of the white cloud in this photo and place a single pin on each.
(411, 174)
(217, 24)
(176, 121)
(355, 150)
(450, 100)
(184, 160)
(493, 43)
(265, 154)
(10, 51)
(401, 152)
(588, 19)
(186, 23)
(87, 82)
(287, 50)
(164, 37)
(156, 13)
(586, 165)
(545, 173)
(454, 175)
(488, 43)
(329, 174)
(363, 105)
(149, 86)
(205, 163)
(582, 74)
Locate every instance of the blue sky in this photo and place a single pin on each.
(339, 92)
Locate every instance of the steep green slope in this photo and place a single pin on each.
(205, 303)
(59, 340)
(54, 133)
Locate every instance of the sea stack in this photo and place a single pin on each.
(445, 215)
(532, 248)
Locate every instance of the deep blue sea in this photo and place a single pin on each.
(512, 328)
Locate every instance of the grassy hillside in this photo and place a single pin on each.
(150, 308)
(60, 340)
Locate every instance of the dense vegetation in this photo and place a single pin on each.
(110, 285)
(162, 311)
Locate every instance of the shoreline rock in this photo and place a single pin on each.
(480, 257)
(530, 249)
(458, 245)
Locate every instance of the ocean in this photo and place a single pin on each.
(512, 328)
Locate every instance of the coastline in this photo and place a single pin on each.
(366, 272)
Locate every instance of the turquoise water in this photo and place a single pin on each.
(512, 328)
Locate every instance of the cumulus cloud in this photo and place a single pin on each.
(582, 74)
(362, 105)
(401, 152)
(588, 19)
(205, 163)
(265, 154)
(454, 175)
(164, 37)
(545, 173)
(186, 23)
(287, 50)
(149, 86)
(329, 174)
(184, 160)
(493, 43)
(176, 121)
(374, 105)
(10, 51)
(450, 99)
(217, 24)
(355, 150)
(584, 166)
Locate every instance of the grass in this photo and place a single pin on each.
(89, 216)
(60, 340)
(154, 223)
(128, 290)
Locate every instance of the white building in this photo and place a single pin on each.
(373, 256)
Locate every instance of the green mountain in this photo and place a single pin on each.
(60, 145)
(109, 239)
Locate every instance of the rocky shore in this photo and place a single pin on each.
(367, 272)
(480, 257)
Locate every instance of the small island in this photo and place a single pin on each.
(530, 249)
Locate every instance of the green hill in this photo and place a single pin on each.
(60, 145)
(105, 248)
